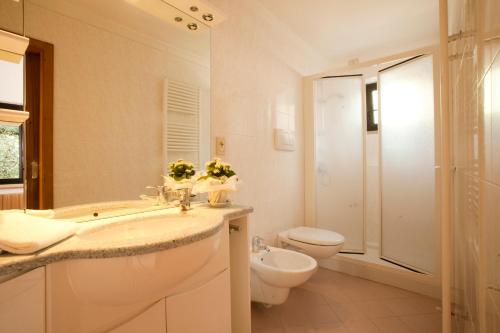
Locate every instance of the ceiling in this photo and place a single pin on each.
(366, 29)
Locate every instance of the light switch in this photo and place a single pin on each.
(284, 139)
(220, 145)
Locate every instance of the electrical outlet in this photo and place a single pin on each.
(220, 145)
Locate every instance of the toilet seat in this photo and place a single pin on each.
(315, 236)
(317, 243)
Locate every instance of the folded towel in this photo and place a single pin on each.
(22, 233)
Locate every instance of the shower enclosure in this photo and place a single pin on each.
(339, 158)
(408, 161)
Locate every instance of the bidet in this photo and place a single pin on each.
(274, 271)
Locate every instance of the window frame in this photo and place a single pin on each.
(371, 126)
(20, 180)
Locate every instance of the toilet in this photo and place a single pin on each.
(315, 242)
(274, 271)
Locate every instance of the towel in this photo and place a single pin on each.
(23, 234)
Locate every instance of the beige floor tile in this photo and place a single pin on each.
(373, 309)
(382, 291)
(300, 329)
(337, 327)
(294, 315)
(307, 297)
(263, 319)
(413, 305)
(332, 302)
(427, 323)
(268, 330)
(362, 326)
(321, 314)
(391, 325)
(346, 311)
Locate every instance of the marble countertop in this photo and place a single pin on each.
(211, 222)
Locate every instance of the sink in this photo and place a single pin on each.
(131, 279)
(140, 229)
(97, 211)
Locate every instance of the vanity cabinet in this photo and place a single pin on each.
(204, 309)
(22, 303)
(134, 293)
(152, 320)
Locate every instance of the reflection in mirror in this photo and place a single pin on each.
(11, 135)
(11, 85)
(130, 93)
(11, 166)
(11, 18)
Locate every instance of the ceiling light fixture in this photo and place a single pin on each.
(208, 17)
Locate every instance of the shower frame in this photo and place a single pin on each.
(310, 140)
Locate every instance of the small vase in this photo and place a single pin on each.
(219, 198)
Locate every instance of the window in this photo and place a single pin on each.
(371, 107)
(11, 98)
(11, 167)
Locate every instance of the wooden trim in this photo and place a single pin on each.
(46, 176)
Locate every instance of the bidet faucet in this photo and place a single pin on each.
(257, 244)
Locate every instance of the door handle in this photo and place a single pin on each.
(34, 170)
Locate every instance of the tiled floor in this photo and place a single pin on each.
(332, 302)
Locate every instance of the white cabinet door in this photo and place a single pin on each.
(22, 303)
(152, 320)
(205, 309)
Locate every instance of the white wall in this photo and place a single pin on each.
(256, 89)
(107, 102)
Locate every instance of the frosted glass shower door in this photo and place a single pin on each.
(407, 163)
(339, 127)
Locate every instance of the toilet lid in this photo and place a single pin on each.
(315, 236)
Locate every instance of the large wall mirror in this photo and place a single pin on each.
(115, 90)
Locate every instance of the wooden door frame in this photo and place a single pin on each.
(45, 139)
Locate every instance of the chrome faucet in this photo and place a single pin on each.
(185, 199)
(258, 245)
(164, 194)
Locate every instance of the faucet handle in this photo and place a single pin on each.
(257, 244)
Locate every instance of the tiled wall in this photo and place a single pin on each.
(256, 88)
(475, 105)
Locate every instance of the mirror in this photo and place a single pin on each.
(131, 92)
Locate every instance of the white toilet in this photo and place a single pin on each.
(317, 243)
(274, 271)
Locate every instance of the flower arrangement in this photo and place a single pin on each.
(181, 170)
(218, 181)
(218, 170)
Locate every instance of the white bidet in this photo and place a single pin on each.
(274, 271)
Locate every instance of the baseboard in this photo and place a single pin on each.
(423, 284)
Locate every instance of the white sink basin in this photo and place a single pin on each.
(147, 228)
(97, 211)
(130, 279)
